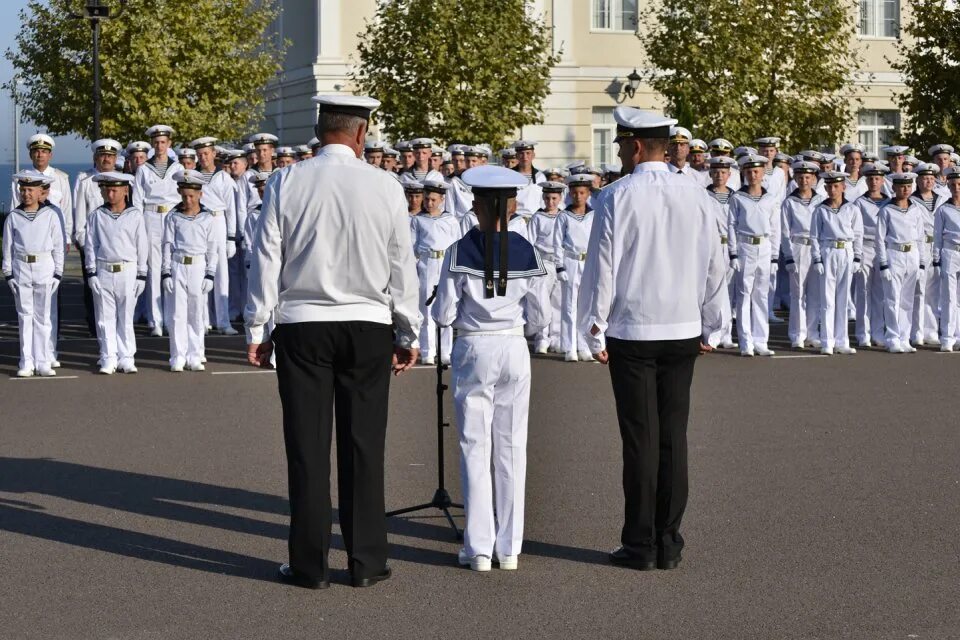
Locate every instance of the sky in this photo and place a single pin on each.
(68, 150)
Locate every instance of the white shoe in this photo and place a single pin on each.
(176, 368)
(477, 563)
(128, 369)
(108, 371)
(895, 347)
(541, 347)
(747, 353)
(815, 343)
(775, 320)
(196, 366)
(428, 360)
(763, 351)
(203, 359)
(918, 341)
(507, 563)
(229, 331)
(946, 348)
(846, 351)
(908, 348)
(865, 344)
(25, 373)
(932, 339)
(570, 356)
(55, 364)
(826, 351)
(46, 372)
(157, 332)
(445, 360)
(585, 356)
(728, 345)
(797, 344)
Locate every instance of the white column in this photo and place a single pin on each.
(328, 29)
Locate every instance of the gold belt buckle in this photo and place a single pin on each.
(805, 241)
(116, 268)
(582, 256)
(187, 260)
(162, 208)
(929, 238)
(841, 244)
(723, 239)
(905, 247)
(437, 254)
(754, 239)
(31, 259)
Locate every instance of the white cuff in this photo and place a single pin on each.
(256, 334)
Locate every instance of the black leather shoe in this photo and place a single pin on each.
(622, 558)
(668, 563)
(362, 583)
(287, 575)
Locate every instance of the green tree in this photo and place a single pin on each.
(459, 74)
(199, 66)
(928, 59)
(747, 69)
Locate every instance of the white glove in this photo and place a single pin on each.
(138, 288)
(13, 287)
(886, 274)
(563, 276)
(857, 266)
(55, 285)
(95, 286)
(168, 284)
(231, 249)
(735, 264)
(818, 267)
(206, 286)
(791, 267)
(774, 265)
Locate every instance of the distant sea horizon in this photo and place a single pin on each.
(7, 171)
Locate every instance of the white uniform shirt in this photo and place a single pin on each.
(946, 228)
(220, 197)
(242, 195)
(150, 189)
(899, 226)
(721, 212)
(853, 190)
(571, 233)
(430, 233)
(759, 218)
(654, 268)
(250, 227)
(869, 210)
(796, 219)
(189, 236)
(529, 199)
(929, 207)
(36, 235)
(333, 244)
(836, 225)
(459, 198)
(86, 198)
(700, 177)
(517, 223)
(113, 239)
(540, 230)
(775, 182)
(59, 195)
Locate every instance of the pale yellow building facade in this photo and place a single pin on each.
(598, 46)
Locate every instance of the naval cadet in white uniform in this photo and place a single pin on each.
(116, 266)
(541, 234)
(946, 259)
(432, 232)
(33, 248)
(796, 218)
(571, 236)
(720, 193)
(332, 260)
(652, 289)
(926, 305)
(867, 284)
(491, 366)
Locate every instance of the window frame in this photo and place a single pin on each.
(613, 8)
(876, 129)
(878, 21)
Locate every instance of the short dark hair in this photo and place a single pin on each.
(338, 123)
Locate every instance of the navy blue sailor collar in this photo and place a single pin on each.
(467, 256)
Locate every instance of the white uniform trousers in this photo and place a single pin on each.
(220, 296)
(724, 335)
(491, 392)
(949, 300)
(34, 304)
(114, 307)
(238, 282)
(899, 294)
(570, 338)
(753, 289)
(926, 304)
(868, 298)
(834, 294)
(185, 306)
(804, 296)
(153, 294)
(549, 336)
(428, 272)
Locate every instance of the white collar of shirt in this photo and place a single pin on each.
(338, 150)
(651, 166)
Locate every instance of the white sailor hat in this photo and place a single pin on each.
(158, 130)
(403, 145)
(523, 145)
(436, 151)
(447, 158)
(391, 152)
(41, 141)
(302, 149)
(493, 177)
(874, 169)
(740, 152)
(832, 177)
(680, 134)
(206, 141)
(286, 152)
(556, 171)
(313, 143)
(722, 162)
(611, 167)
(421, 143)
(106, 145)
(784, 158)
(870, 156)
(113, 179)
(579, 180)
(884, 164)
(805, 166)
(955, 157)
(32, 178)
(952, 173)
(591, 170)
(895, 150)
(189, 179)
(811, 155)
(751, 160)
(478, 152)
(906, 177)
(698, 146)
(509, 152)
(573, 167)
(829, 157)
(721, 145)
(138, 145)
(637, 123)
(456, 149)
(927, 169)
(264, 138)
(851, 147)
(373, 145)
(550, 186)
(249, 148)
(358, 106)
(233, 154)
(913, 161)
(767, 141)
(412, 186)
(937, 149)
(260, 177)
(434, 186)
(186, 152)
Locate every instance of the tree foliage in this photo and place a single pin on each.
(929, 58)
(197, 65)
(749, 69)
(459, 73)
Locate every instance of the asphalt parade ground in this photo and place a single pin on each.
(825, 503)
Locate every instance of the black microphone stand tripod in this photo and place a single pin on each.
(441, 497)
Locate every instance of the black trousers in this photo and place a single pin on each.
(89, 314)
(651, 387)
(343, 369)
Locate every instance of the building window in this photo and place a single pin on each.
(880, 18)
(878, 128)
(615, 15)
(604, 131)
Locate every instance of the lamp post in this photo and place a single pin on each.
(631, 86)
(95, 11)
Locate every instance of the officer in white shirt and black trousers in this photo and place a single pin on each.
(332, 262)
(652, 289)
